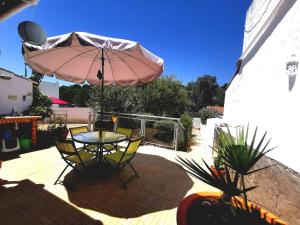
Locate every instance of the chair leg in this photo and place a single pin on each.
(137, 175)
(61, 174)
(129, 179)
(123, 183)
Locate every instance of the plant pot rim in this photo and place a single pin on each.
(187, 201)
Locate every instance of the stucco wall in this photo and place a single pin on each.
(12, 92)
(257, 14)
(261, 96)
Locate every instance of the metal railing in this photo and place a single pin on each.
(147, 126)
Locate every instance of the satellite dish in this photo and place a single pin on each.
(32, 33)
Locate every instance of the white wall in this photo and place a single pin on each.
(12, 92)
(260, 93)
(74, 115)
(50, 89)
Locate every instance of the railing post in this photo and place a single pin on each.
(93, 120)
(176, 136)
(90, 121)
(143, 127)
(116, 126)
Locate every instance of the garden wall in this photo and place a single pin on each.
(278, 191)
(74, 115)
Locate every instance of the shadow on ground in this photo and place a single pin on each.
(29, 203)
(162, 184)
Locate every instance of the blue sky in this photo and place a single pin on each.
(194, 37)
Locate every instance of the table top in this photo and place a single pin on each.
(107, 137)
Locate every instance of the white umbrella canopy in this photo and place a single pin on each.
(76, 57)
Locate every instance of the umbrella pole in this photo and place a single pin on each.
(102, 84)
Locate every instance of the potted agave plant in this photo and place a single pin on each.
(231, 206)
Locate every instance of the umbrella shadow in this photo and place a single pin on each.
(29, 203)
(161, 186)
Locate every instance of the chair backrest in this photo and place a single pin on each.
(126, 131)
(133, 146)
(78, 130)
(66, 147)
(104, 125)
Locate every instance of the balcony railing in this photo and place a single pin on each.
(157, 130)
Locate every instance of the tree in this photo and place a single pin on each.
(82, 96)
(41, 104)
(122, 99)
(203, 92)
(165, 97)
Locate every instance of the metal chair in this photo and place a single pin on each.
(71, 155)
(121, 146)
(120, 159)
(79, 130)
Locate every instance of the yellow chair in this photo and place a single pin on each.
(71, 155)
(79, 130)
(120, 159)
(120, 146)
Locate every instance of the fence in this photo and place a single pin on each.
(157, 130)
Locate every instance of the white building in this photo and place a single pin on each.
(265, 92)
(50, 89)
(15, 92)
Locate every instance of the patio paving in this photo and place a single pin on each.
(31, 198)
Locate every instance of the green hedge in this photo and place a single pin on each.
(186, 135)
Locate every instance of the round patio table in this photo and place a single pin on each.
(95, 138)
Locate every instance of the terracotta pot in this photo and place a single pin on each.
(184, 205)
(114, 119)
(213, 168)
(62, 133)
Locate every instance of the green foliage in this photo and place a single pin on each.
(187, 122)
(165, 97)
(202, 91)
(120, 99)
(165, 130)
(224, 183)
(220, 143)
(75, 94)
(238, 156)
(205, 114)
(41, 104)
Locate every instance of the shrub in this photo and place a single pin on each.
(186, 135)
(205, 114)
(41, 104)
(165, 130)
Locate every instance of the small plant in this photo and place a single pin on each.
(58, 129)
(238, 158)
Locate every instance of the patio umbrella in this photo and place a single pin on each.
(82, 57)
(58, 101)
